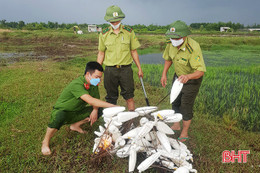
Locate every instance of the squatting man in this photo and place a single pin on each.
(78, 104)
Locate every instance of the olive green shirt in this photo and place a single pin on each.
(118, 48)
(70, 100)
(187, 59)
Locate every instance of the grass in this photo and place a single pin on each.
(211, 138)
(231, 91)
(29, 89)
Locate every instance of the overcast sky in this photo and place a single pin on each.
(160, 12)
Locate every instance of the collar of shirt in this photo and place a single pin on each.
(84, 79)
(111, 31)
(184, 44)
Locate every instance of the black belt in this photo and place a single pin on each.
(120, 66)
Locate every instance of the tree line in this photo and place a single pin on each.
(138, 27)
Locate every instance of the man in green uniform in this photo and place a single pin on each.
(186, 55)
(75, 28)
(71, 107)
(117, 50)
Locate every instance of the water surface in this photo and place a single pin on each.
(153, 58)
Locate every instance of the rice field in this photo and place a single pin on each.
(230, 88)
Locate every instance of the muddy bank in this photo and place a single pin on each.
(34, 47)
(24, 46)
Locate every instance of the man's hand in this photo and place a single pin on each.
(164, 81)
(93, 116)
(100, 57)
(184, 78)
(137, 62)
(167, 65)
(140, 73)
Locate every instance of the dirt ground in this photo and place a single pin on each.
(58, 48)
(44, 48)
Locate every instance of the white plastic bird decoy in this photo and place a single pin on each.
(175, 91)
(112, 111)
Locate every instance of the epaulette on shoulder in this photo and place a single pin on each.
(105, 30)
(168, 41)
(189, 48)
(127, 28)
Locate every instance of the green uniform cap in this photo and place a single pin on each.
(178, 29)
(114, 14)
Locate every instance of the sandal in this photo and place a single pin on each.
(184, 138)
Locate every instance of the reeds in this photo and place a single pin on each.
(230, 91)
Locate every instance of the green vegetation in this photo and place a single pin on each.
(29, 88)
(142, 29)
(216, 26)
(232, 92)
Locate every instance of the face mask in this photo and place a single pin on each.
(115, 26)
(94, 81)
(177, 43)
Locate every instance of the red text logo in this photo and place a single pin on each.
(230, 156)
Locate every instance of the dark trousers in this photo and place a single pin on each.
(115, 77)
(185, 101)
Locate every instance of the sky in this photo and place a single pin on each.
(157, 12)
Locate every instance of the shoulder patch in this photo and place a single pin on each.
(189, 48)
(197, 58)
(168, 41)
(105, 30)
(127, 28)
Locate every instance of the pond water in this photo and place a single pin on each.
(15, 54)
(153, 58)
(156, 58)
(10, 57)
(212, 58)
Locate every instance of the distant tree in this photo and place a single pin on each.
(39, 26)
(84, 25)
(56, 25)
(63, 25)
(151, 27)
(29, 26)
(51, 25)
(197, 25)
(144, 29)
(3, 23)
(253, 26)
(44, 25)
(69, 26)
(21, 24)
(138, 27)
(103, 26)
(201, 27)
(216, 26)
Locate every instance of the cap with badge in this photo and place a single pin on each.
(178, 29)
(114, 14)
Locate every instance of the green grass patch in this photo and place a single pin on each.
(8, 111)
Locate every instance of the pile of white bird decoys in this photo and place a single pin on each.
(149, 135)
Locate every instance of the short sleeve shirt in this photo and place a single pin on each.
(70, 100)
(187, 59)
(118, 47)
